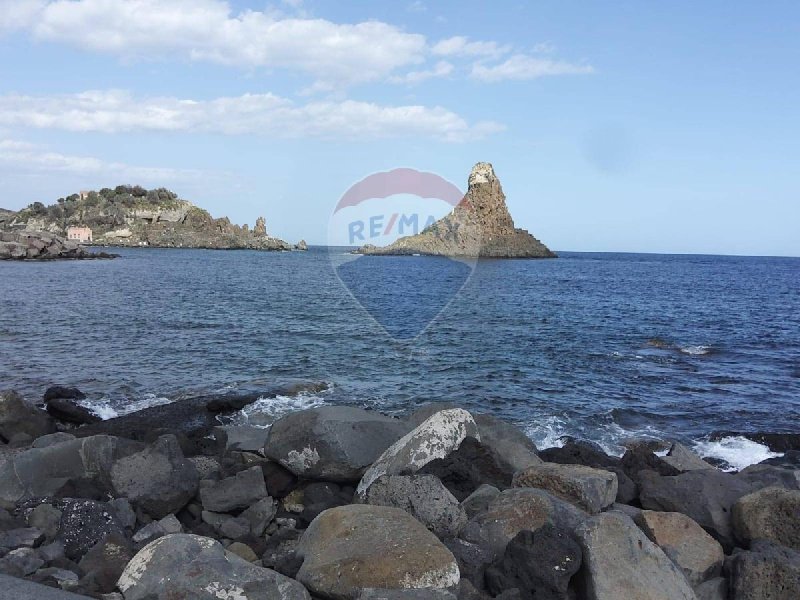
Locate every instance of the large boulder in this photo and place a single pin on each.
(683, 459)
(240, 491)
(422, 496)
(18, 416)
(514, 449)
(515, 510)
(191, 566)
(696, 553)
(771, 513)
(436, 437)
(85, 523)
(159, 479)
(768, 570)
(538, 563)
(705, 496)
(58, 469)
(332, 443)
(588, 488)
(351, 548)
(619, 561)
(70, 411)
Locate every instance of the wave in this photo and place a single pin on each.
(106, 409)
(737, 452)
(695, 350)
(265, 411)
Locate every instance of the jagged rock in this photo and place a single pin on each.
(156, 529)
(331, 443)
(226, 525)
(260, 227)
(641, 458)
(422, 496)
(515, 510)
(190, 566)
(771, 514)
(588, 488)
(259, 515)
(768, 570)
(538, 563)
(683, 459)
(479, 226)
(159, 480)
(696, 553)
(436, 437)
(29, 244)
(301, 245)
(705, 496)
(479, 500)
(240, 491)
(18, 416)
(620, 562)
(84, 523)
(350, 548)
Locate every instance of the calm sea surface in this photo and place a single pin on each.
(604, 346)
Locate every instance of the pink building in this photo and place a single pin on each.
(79, 234)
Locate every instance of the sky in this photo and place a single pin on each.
(613, 126)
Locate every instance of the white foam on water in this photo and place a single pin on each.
(548, 432)
(264, 411)
(737, 451)
(106, 409)
(695, 350)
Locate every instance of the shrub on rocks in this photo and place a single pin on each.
(771, 513)
(619, 561)
(331, 443)
(351, 548)
(767, 570)
(696, 553)
(436, 437)
(422, 496)
(240, 491)
(590, 489)
(190, 566)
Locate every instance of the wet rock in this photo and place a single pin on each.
(683, 459)
(515, 510)
(240, 491)
(259, 515)
(105, 561)
(54, 392)
(479, 500)
(332, 443)
(579, 452)
(768, 570)
(190, 566)
(590, 489)
(350, 548)
(159, 480)
(540, 564)
(434, 438)
(705, 496)
(422, 496)
(45, 517)
(696, 553)
(20, 562)
(771, 513)
(84, 523)
(18, 416)
(51, 439)
(620, 562)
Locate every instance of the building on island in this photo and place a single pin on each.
(79, 234)
(83, 194)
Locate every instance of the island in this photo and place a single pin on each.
(480, 226)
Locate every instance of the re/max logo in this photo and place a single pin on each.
(379, 225)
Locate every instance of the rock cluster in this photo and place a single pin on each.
(341, 503)
(40, 245)
(479, 226)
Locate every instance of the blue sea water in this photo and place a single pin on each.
(603, 346)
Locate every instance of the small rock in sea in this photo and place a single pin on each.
(767, 570)
(771, 513)
(349, 548)
(190, 566)
(69, 411)
(589, 489)
(237, 492)
(696, 553)
(64, 392)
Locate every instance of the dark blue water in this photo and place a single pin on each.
(600, 345)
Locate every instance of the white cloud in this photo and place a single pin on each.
(113, 111)
(461, 46)
(440, 69)
(208, 30)
(24, 156)
(417, 6)
(522, 67)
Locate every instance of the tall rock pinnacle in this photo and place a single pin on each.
(479, 226)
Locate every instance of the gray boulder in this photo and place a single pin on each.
(619, 561)
(434, 438)
(190, 566)
(25, 537)
(45, 517)
(84, 523)
(479, 500)
(683, 459)
(51, 439)
(20, 562)
(159, 480)
(331, 443)
(240, 491)
(105, 561)
(768, 570)
(259, 515)
(766, 475)
(244, 438)
(516, 510)
(771, 514)
(422, 496)
(355, 547)
(696, 553)
(508, 441)
(18, 416)
(590, 489)
(227, 526)
(157, 529)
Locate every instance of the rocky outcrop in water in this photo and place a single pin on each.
(479, 226)
(39, 245)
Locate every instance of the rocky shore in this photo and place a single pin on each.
(39, 245)
(338, 503)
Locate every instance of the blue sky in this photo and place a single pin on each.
(614, 126)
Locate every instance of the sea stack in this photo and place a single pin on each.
(479, 226)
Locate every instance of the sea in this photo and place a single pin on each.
(600, 346)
